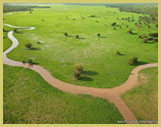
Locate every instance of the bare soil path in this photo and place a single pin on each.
(111, 94)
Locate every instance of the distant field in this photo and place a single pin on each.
(29, 99)
(58, 54)
(143, 99)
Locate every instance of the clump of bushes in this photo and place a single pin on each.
(133, 61)
(78, 69)
(28, 45)
(153, 34)
(98, 34)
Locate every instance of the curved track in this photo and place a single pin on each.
(111, 94)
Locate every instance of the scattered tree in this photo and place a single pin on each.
(77, 36)
(145, 40)
(78, 67)
(133, 61)
(30, 61)
(118, 53)
(113, 24)
(98, 34)
(66, 34)
(28, 45)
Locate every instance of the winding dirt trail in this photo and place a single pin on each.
(111, 94)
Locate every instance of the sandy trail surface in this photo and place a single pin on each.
(111, 94)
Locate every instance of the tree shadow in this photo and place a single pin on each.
(69, 36)
(35, 49)
(150, 42)
(90, 73)
(35, 63)
(81, 38)
(85, 78)
(103, 37)
(140, 63)
(121, 54)
(134, 33)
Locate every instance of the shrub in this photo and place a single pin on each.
(98, 34)
(24, 62)
(65, 34)
(78, 67)
(5, 30)
(39, 42)
(153, 34)
(30, 61)
(130, 31)
(77, 36)
(150, 39)
(156, 40)
(28, 45)
(113, 24)
(77, 74)
(118, 53)
(133, 61)
(145, 40)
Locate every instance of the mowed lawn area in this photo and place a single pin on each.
(143, 99)
(58, 54)
(29, 99)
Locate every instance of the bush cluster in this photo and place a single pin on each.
(78, 69)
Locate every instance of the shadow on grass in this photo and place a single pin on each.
(85, 78)
(81, 38)
(90, 73)
(103, 37)
(35, 49)
(121, 54)
(140, 63)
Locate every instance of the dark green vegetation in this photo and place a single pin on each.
(29, 99)
(90, 35)
(16, 7)
(143, 99)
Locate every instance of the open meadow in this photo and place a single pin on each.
(84, 45)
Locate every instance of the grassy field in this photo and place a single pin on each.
(58, 54)
(29, 99)
(143, 99)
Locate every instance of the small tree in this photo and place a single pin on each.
(113, 24)
(130, 31)
(65, 34)
(98, 34)
(133, 61)
(77, 75)
(118, 53)
(28, 45)
(77, 36)
(78, 67)
(145, 40)
(30, 61)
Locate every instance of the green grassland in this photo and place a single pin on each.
(143, 99)
(58, 54)
(29, 99)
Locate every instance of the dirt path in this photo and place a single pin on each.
(111, 94)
